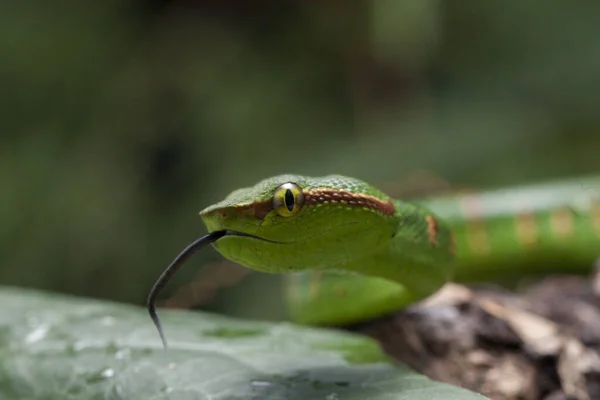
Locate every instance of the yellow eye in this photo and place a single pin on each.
(288, 199)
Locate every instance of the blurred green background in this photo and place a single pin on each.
(121, 119)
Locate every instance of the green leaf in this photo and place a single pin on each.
(58, 347)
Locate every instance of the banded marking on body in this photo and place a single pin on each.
(477, 237)
(337, 196)
(432, 230)
(433, 234)
(595, 216)
(562, 222)
(526, 228)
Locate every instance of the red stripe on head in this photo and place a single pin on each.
(333, 196)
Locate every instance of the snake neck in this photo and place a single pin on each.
(420, 256)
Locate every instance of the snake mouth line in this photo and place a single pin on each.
(230, 232)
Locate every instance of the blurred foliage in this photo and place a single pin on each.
(122, 119)
(57, 348)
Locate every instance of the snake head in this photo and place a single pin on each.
(291, 222)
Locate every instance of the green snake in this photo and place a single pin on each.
(353, 253)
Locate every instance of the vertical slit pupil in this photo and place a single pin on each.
(289, 200)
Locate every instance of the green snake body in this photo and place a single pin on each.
(536, 229)
(352, 253)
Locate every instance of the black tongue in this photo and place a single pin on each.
(168, 273)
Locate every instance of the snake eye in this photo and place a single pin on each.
(288, 199)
